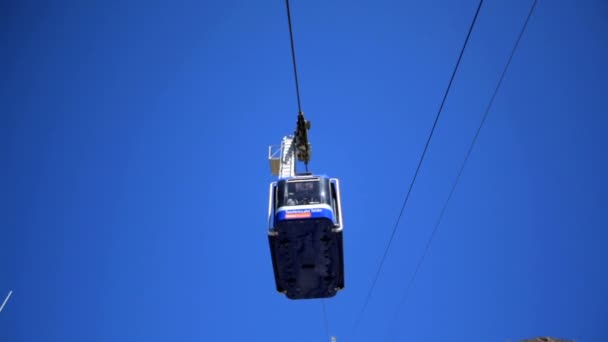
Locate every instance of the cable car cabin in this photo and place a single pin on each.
(305, 233)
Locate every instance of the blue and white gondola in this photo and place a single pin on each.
(305, 234)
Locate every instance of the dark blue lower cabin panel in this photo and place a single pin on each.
(307, 258)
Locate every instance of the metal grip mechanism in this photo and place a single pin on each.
(302, 146)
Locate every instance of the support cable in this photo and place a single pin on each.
(301, 136)
(293, 56)
(369, 294)
(6, 300)
(466, 158)
(325, 321)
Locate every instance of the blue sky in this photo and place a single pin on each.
(133, 147)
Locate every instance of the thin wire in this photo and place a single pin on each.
(325, 319)
(466, 158)
(6, 300)
(293, 56)
(409, 191)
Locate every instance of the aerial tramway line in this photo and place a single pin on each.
(305, 220)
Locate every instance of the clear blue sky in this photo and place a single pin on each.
(133, 146)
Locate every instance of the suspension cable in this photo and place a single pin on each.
(293, 56)
(301, 136)
(382, 260)
(6, 300)
(325, 321)
(466, 158)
